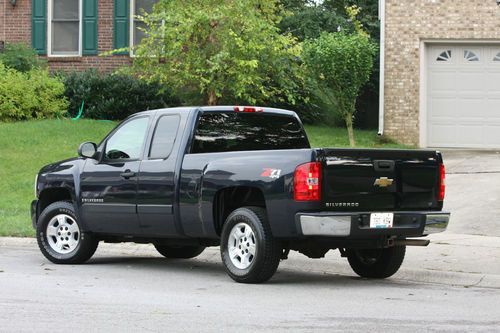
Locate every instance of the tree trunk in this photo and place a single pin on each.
(350, 130)
(212, 98)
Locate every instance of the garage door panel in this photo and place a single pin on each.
(463, 96)
(470, 109)
(492, 135)
(441, 133)
(444, 107)
(471, 134)
(442, 81)
(469, 82)
(492, 110)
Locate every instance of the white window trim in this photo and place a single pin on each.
(50, 5)
(131, 29)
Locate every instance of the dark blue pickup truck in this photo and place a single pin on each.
(244, 179)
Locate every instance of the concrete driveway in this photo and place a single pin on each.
(473, 191)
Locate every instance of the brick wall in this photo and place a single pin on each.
(17, 28)
(409, 22)
(15, 21)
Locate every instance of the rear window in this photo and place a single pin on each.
(222, 132)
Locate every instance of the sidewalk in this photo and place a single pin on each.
(451, 259)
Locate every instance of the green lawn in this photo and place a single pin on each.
(26, 146)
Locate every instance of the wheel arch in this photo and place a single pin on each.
(228, 199)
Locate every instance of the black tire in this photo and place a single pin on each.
(268, 250)
(376, 263)
(86, 243)
(179, 252)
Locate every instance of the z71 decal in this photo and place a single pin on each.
(271, 173)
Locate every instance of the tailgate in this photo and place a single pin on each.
(380, 180)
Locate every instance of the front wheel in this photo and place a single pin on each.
(376, 263)
(60, 236)
(249, 251)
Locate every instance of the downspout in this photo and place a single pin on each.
(381, 16)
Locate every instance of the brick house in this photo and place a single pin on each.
(72, 33)
(440, 70)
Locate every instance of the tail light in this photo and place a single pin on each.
(250, 109)
(307, 182)
(441, 185)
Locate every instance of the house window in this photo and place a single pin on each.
(444, 56)
(497, 57)
(470, 56)
(64, 27)
(137, 26)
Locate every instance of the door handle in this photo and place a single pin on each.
(384, 166)
(127, 174)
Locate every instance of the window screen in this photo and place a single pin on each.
(141, 7)
(164, 136)
(65, 27)
(227, 131)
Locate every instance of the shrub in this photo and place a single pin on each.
(21, 57)
(113, 96)
(30, 95)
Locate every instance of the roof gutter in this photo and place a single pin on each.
(381, 17)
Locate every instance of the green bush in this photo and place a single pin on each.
(30, 95)
(113, 96)
(21, 57)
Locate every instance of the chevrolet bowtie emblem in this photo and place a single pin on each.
(383, 182)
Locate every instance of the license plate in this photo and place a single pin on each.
(381, 220)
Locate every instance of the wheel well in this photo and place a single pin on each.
(52, 195)
(231, 198)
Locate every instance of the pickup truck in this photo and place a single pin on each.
(244, 179)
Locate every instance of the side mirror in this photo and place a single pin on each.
(87, 150)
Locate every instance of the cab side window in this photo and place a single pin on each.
(164, 137)
(127, 142)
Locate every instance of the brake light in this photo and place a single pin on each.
(247, 109)
(307, 182)
(442, 185)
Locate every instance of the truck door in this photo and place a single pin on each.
(156, 182)
(109, 186)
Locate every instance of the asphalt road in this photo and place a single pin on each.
(453, 285)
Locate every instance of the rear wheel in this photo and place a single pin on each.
(376, 263)
(60, 237)
(179, 252)
(249, 251)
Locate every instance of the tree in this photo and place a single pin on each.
(340, 64)
(221, 50)
(309, 18)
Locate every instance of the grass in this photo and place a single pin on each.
(324, 136)
(24, 148)
(27, 146)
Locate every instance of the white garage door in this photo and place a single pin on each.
(463, 96)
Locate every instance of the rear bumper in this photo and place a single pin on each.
(356, 225)
(34, 213)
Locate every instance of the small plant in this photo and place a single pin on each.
(21, 57)
(30, 95)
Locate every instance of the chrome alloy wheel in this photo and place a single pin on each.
(241, 246)
(63, 234)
